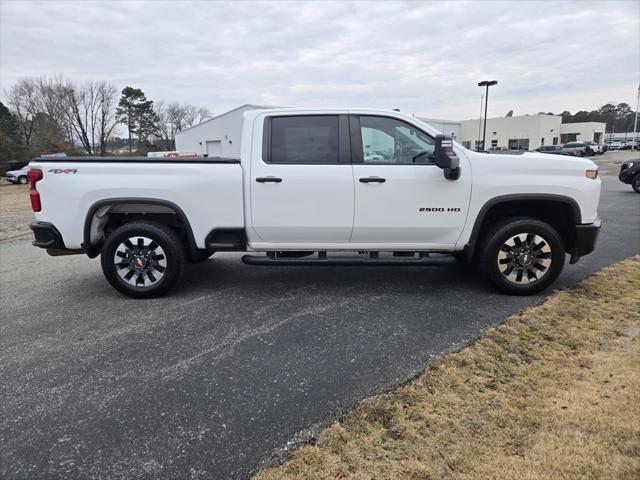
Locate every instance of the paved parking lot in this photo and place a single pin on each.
(219, 377)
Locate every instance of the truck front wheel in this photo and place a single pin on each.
(522, 256)
(143, 259)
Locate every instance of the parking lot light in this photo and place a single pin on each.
(487, 84)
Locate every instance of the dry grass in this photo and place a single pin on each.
(553, 393)
(15, 212)
(14, 198)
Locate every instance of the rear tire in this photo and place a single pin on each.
(521, 256)
(143, 259)
(635, 183)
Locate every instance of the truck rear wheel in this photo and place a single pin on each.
(143, 259)
(522, 256)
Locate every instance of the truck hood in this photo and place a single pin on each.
(529, 160)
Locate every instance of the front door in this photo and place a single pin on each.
(401, 198)
(302, 182)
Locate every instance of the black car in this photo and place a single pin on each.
(630, 173)
(554, 149)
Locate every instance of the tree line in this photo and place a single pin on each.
(619, 118)
(46, 115)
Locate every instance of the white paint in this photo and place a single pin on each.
(317, 207)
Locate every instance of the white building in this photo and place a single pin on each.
(448, 127)
(528, 132)
(218, 136)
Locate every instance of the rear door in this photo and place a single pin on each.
(301, 181)
(401, 198)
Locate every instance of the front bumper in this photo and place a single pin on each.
(585, 240)
(12, 179)
(47, 236)
(627, 173)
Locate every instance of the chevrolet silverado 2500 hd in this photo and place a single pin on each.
(312, 185)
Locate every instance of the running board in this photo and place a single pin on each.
(323, 261)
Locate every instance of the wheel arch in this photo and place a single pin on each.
(93, 248)
(551, 208)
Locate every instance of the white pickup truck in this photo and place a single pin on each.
(313, 185)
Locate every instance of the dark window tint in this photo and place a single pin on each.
(304, 139)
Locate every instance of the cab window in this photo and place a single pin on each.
(389, 141)
(308, 139)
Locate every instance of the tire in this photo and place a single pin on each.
(199, 256)
(635, 183)
(23, 180)
(137, 271)
(521, 256)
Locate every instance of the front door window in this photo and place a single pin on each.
(389, 141)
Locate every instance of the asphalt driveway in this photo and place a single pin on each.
(219, 377)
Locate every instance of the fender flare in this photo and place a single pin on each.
(94, 250)
(469, 248)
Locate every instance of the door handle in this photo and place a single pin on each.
(373, 180)
(268, 179)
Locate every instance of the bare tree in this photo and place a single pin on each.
(175, 117)
(23, 99)
(51, 102)
(91, 113)
(165, 127)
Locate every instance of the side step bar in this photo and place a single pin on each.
(324, 261)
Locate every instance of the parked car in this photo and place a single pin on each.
(496, 149)
(553, 149)
(303, 193)
(630, 174)
(629, 145)
(596, 148)
(576, 149)
(18, 176)
(615, 145)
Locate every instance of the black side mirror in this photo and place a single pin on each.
(445, 158)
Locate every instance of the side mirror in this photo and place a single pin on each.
(445, 158)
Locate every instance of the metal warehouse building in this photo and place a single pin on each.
(218, 136)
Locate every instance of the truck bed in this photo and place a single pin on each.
(88, 159)
(207, 191)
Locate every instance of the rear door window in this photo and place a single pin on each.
(304, 139)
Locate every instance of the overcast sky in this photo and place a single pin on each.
(423, 58)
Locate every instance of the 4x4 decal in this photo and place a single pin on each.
(63, 170)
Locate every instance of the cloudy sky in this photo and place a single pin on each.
(421, 57)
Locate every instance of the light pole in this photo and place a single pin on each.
(479, 123)
(635, 123)
(486, 83)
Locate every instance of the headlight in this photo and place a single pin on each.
(592, 174)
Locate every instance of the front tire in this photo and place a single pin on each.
(143, 259)
(635, 183)
(23, 180)
(522, 256)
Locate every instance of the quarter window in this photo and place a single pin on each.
(304, 139)
(390, 141)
